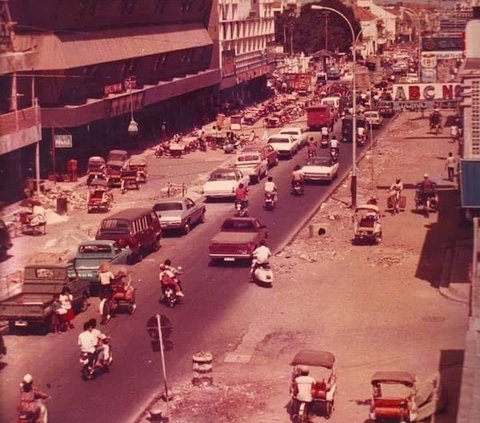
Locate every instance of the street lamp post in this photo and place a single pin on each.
(353, 185)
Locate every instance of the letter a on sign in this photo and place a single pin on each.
(400, 94)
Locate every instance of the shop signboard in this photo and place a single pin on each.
(440, 66)
(426, 92)
(63, 141)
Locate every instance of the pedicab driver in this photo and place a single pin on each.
(302, 389)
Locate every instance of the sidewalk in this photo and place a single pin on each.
(375, 307)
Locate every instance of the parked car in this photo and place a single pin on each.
(223, 182)
(137, 228)
(374, 118)
(298, 134)
(285, 145)
(320, 169)
(179, 213)
(334, 74)
(266, 150)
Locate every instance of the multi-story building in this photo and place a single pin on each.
(98, 64)
(20, 130)
(387, 24)
(246, 27)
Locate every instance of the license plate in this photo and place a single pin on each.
(229, 259)
(21, 323)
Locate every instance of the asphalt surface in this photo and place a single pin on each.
(136, 371)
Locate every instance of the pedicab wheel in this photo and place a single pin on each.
(328, 410)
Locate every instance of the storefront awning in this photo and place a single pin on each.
(77, 49)
(470, 183)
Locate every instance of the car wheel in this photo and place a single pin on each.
(202, 218)
(156, 245)
(186, 228)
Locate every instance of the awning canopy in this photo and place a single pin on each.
(57, 51)
(470, 183)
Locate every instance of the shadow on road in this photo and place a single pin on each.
(450, 369)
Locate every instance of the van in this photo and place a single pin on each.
(374, 118)
(331, 101)
(136, 228)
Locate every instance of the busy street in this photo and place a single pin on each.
(244, 238)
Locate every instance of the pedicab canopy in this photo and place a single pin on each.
(404, 378)
(98, 182)
(315, 358)
(137, 160)
(367, 207)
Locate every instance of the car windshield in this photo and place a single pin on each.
(290, 132)
(167, 206)
(279, 141)
(318, 161)
(223, 176)
(249, 158)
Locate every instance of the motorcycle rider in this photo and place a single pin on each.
(31, 400)
(324, 131)
(454, 132)
(395, 192)
(297, 176)
(312, 147)
(435, 118)
(168, 276)
(260, 256)
(334, 144)
(241, 195)
(361, 133)
(90, 343)
(302, 389)
(270, 188)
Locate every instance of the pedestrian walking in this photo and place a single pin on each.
(450, 166)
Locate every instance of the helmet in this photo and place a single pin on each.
(425, 175)
(304, 370)
(28, 378)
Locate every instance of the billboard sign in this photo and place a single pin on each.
(63, 141)
(443, 43)
(440, 66)
(427, 92)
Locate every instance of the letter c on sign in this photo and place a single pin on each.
(429, 92)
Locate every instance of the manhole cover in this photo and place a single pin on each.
(433, 319)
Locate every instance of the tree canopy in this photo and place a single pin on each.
(308, 30)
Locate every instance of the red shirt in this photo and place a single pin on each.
(241, 194)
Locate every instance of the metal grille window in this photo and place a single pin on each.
(160, 62)
(127, 6)
(87, 8)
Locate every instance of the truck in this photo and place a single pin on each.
(32, 307)
(89, 256)
(237, 239)
(318, 117)
(299, 82)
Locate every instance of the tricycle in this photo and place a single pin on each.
(397, 397)
(427, 201)
(312, 393)
(96, 168)
(129, 179)
(367, 225)
(139, 164)
(99, 199)
(114, 173)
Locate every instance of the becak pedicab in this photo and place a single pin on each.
(366, 224)
(114, 173)
(99, 197)
(272, 122)
(398, 397)
(138, 163)
(96, 168)
(313, 385)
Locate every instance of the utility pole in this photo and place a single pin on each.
(37, 144)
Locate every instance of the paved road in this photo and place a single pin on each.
(53, 359)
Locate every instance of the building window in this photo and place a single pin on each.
(187, 56)
(90, 71)
(87, 8)
(186, 5)
(127, 6)
(160, 62)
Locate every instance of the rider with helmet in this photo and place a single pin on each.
(31, 400)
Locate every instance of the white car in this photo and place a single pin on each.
(223, 182)
(347, 77)
(299, 134)
(285, 145)
(320, 169)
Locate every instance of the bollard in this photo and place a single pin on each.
(202, 368)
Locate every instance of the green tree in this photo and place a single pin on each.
(308, 29)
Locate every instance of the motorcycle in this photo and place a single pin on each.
(29, 417)
(334, 155)
(361, 140)
(170, 296)
(269, 200)
(241, 209)
(324, 141)
(263, 274)
(161, 151)
(297, 188)
(91, 368)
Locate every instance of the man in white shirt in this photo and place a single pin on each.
(270, 187)
(334, 143)
(360, 131)
(324, 131)
(302, 389)
(260, 256)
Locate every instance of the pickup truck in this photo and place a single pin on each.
(33, 305)
(91, 254)
(252, 163)
(237, 239)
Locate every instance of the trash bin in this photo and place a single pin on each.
(62, 205)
